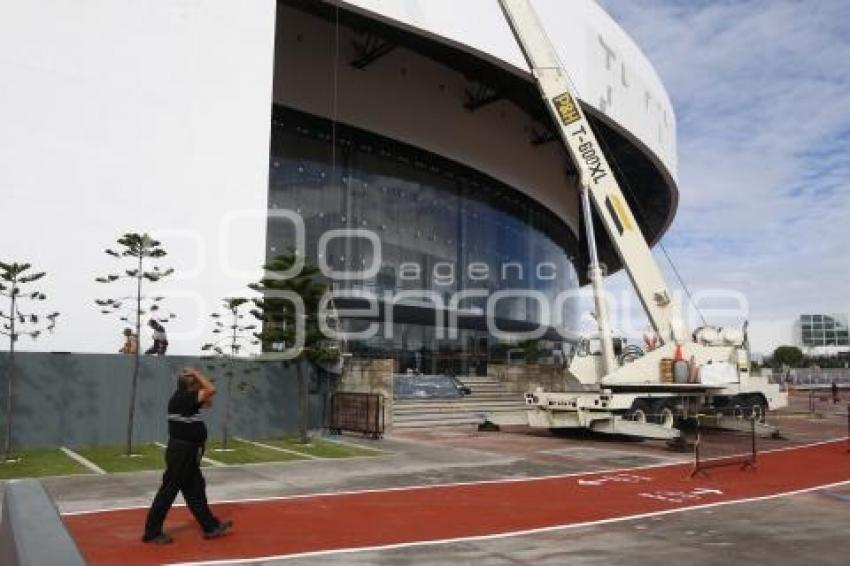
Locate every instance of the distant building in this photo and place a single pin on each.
(823, 334)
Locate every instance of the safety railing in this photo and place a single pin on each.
(820, 400)
(357, 412)
(818, 378)
(736, 447)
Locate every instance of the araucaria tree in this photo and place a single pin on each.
(16, 281)
(233, 334)
(281, 325)
(139, 253)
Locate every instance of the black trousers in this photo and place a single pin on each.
(159, 348)
(182, 474)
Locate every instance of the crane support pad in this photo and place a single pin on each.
(617, 425)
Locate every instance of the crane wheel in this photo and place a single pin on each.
(666, 416)
(739, 411)
(639, 416)
(639, 412)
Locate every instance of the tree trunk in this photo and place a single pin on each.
(302, 403)
(132, 412)
(10, 403)
(230, 369)
(226, 434)
(10, 393)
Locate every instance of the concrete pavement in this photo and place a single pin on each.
(799, 529)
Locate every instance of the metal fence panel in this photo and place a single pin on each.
(357, 412)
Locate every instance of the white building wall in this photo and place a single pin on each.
(121, 115)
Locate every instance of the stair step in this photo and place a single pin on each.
(474, 393)
(448, 411)
(442, 419)
(455, 413)
(403, 403)
(477, 394)
(489, 395)
(458, 403)
(436, 424)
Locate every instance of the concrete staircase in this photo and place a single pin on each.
(488, 396)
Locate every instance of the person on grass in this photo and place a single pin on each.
(187, 435)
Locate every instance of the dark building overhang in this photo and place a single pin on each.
(648, 186)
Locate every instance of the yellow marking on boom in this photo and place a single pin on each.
(625, 217)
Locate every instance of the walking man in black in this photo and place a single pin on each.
(186, 437)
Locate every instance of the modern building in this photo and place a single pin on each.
(822, 334)
(216, 125)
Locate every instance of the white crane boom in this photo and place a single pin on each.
(596, 177)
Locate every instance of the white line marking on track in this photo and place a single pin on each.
(91, 466)
(444, 485)
(505, 534)
(279, 449)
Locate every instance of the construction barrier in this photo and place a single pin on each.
(742, 451)
(817, 397)
(357, 412)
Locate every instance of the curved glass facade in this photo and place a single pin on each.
(443, 228)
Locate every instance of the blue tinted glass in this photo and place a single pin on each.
(443, 228)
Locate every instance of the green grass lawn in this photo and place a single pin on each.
(40, 462)
(53, 462)
(114, 459)
(322, 448)
(244, 453)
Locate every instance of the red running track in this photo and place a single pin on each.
(281, 527)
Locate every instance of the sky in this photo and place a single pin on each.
(761, 91)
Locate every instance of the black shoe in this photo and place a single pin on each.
(221, 530)
(161, 538)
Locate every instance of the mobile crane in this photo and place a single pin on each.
(627, 395)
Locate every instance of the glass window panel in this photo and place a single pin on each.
(427, 211)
